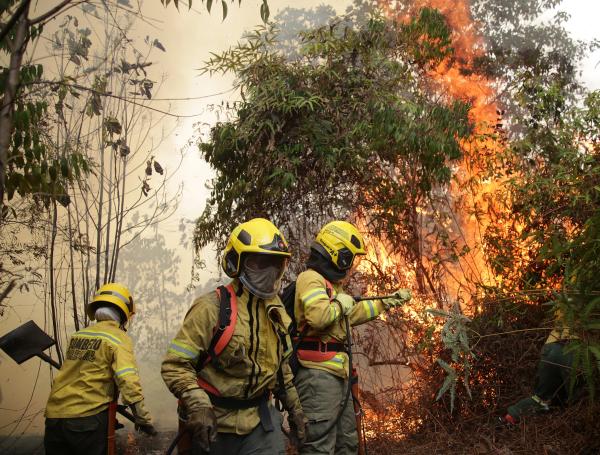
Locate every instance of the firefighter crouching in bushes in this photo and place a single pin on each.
(99, 364)
(552, 378)
(224, 384)
(320, 308)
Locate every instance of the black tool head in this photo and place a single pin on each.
(25, 341)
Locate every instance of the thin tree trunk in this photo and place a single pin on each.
(120, 225)
(109, 197)
(10, 93)
(99, 225)
(52, 284)
(75, 315)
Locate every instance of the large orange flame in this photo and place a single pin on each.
(464, 200)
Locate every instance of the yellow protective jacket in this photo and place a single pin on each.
(249, 363)
(560, 332)
(314, 308)
(99, 358)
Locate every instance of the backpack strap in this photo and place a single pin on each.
(329, 289)
(225, 327)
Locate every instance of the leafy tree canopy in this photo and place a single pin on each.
(350, 126)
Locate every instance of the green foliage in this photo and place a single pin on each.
(349, 126)
(455, 340)
(544, 230)
(32, 170)
(579, 303)
(264, 7)
(33, 167)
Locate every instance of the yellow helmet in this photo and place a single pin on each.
(255, 236)
(340, 242)
(114, 294)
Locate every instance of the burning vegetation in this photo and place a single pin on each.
(467, 152)
(458, 137)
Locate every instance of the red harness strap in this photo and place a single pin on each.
(222, 334)
(229, 329)
(208, 387)
(320, 355)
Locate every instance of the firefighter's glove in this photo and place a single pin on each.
(143, 421)
(400, 297)
(202, 421)
(298, 422)
(296, 418)
(345, 301)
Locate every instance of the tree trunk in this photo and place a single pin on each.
(100, 208)
(10, 92)
(52, 282)
(72, 264)
(121, 216)
(109, 199)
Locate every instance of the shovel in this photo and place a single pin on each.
(27, 341)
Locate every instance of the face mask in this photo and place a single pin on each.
(261, 274)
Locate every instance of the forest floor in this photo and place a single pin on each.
(556, 433)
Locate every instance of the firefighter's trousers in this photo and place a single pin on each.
(552, 379)
(322, 394)
(257, 442)
(77, 435)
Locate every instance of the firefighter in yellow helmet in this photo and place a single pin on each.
(230, 354)
(99, 365)
(320, 308)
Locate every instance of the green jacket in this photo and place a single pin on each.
(99, 358)
(313, 307)
(248, 365)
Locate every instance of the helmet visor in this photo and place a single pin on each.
(261, 273)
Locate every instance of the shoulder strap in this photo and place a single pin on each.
(329, 289)
(225, 327)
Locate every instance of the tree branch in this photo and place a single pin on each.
(13, 20)
(52, 12)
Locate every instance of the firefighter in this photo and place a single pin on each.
(553, 374)
(224, 378)
(321, 305)
(99, 364)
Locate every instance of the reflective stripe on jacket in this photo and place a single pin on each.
(248, 365)
(98, 357)
(313, 307)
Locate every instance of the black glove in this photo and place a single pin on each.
(143, 421)
(296, 418)
(202, 421)
(148, 429)
(298, 421)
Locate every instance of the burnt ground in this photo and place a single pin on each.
(134, 443)
(128, 443)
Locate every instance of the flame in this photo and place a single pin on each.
(476, 205)
(468, 204)
(461, 280)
